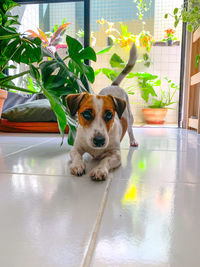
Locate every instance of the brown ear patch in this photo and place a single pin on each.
(124, 127)
(119, 105)
(73, 102)
(108, 106)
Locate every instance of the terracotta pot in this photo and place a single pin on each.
(3, 96)
(154, 115)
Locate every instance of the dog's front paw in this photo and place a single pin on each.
(99, 174)
(77, 168)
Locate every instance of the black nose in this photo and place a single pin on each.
(99, 141)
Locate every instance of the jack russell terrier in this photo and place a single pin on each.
(103, 121)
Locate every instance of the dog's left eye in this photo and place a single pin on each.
(108, 115)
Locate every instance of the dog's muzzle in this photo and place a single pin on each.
(99, 141)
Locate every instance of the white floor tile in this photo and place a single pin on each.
(46, 221)
(151, 217)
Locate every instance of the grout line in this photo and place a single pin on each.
(37, 174)
(26, 148)
(92, 243)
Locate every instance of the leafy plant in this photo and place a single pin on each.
(81, 34)
(51, 40)
(169, 35)
(15, 47)
(116, 66)
(142, 7)
(60, 77)
(146, 40)
(189, 14)
(148, 82)
(56, 77)
(124, 39)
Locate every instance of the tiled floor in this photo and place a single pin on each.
(147, 214)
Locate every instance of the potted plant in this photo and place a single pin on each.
(169, 37)
(158, 105)
(188, 13)
(14, 47)
(59, 77)
(3, 96)
(51, 40)
(146, 40)
(55, 76)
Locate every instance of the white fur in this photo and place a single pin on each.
(109, 154)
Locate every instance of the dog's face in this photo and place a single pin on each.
(96, 115)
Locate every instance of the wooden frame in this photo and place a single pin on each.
(192, 84)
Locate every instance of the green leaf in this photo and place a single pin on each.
(71, 135)
(97, 72)
(145, 56)
(54, 82)
(130, 75)
(56, 106)
(166, 16)
(105, 50)
(110, 74)
(116, 62)
(88, 53)
(34, 72)
(156, 103)
(47, 68)
(11, 48)
(147, 64)
(8, 5)
(28, 52)
(176, 23)
(175, 11)
(74, 46)
(197, 61)
(124, 29)
(7, 33)
(157, 83)
(89, 72)
(190, 27)
(11, 22)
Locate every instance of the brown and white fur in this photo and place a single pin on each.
(103, 121)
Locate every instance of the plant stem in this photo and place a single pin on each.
(5, 64)
(9, 78)
(18, 88)
(66, 58)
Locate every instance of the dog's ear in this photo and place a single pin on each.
(73, 102)
(119, 105)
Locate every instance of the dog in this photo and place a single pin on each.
(103, 121)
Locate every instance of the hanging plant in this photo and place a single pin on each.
(142, 7)
(190, 15)
(146, 40)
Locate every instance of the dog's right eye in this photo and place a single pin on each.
(87, 115)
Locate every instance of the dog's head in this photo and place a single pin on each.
(95, 115)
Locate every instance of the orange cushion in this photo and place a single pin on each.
(29, 127)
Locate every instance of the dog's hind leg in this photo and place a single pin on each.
(133, 142)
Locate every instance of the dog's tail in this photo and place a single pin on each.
(128, 67)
